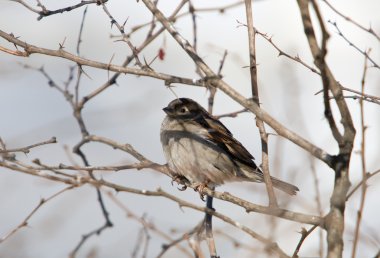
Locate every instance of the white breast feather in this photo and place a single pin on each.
(198, 163)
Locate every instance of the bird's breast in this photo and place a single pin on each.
(190, 153)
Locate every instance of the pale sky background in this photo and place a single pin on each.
(131, 112)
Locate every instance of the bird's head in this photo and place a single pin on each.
(184, 109)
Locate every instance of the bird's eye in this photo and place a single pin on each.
(182, 110)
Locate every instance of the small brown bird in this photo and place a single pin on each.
(200, 148)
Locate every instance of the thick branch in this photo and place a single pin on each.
(335, 217)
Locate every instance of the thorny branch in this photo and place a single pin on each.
(169, 79)
(103, 183)
(43, 170)
(215, 81)
(347, 18)
(281, 52)
(273, 246)
(113, 79)
(76, 175)
(44, 12)
(359, 95)
(363, 52)
(80, 180)
(221, 9)
(256, 99)
(335, 218)
(363, 163)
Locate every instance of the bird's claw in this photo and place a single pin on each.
(200, 188)
(180, 180)
(182, 188)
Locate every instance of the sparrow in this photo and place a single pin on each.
(198, 147)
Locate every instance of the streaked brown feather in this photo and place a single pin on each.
(221, 135)
(210, 132)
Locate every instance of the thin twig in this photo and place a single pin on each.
(304, 234)
(295, 58)
(148, 225)
(13, 52)
(220, 9)
(175, 242)
(79, 67)
(44, 12)
(363, 163)
(24, 223)
(367, 177)
(359, 95)
(231, 114)
(125, 38)
(81, 30)
(318, 201)
(159, 192)
(256, 98)
(363, 52)
(149, 38)
(27, 148)
(347, 18)
(235, 241)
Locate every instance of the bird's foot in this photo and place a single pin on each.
(200, 188)
(180, 180)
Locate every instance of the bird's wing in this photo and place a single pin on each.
(220, 135)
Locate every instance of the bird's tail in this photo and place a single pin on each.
(284, 186)
(258, 176)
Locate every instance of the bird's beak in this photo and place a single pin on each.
(168, 110)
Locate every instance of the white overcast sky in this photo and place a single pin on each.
(131, 112)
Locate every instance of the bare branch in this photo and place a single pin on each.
(336, 101)
(148, 225)
(256, 99)
(125, 38)
(367, 177)
(232, 114)
(363, 163)
(268, 244)
(304, 234)
(363, 52)
(221, 9)
(283, 53)
(27, 148)
(30, 49)
(335, 218)
(81, 30)
(318, 201)
(359, 95)
(150, 37)
(246, 205)
(213, 79)
(347, 18)
(44, 12)
(24, 223)
(175, 242)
